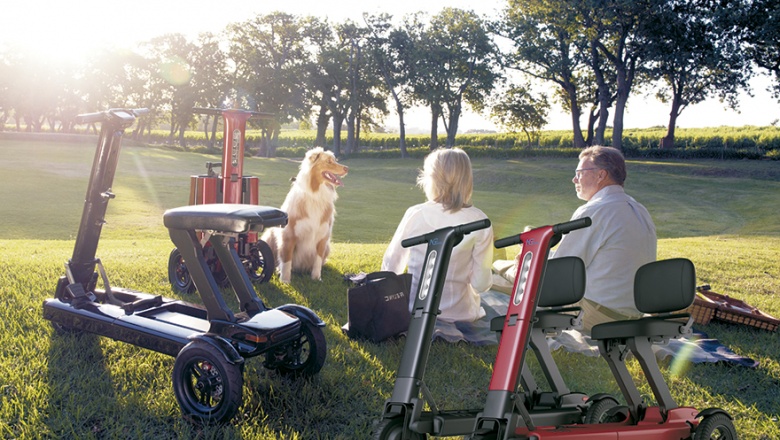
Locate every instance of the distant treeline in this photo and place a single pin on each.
(747, 142)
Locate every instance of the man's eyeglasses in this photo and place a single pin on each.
(578, 173)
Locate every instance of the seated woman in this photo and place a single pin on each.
(447, 181)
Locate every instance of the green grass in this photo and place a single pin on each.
(721, 215)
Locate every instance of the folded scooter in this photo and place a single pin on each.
(210, 342)
(661, 288)
(404, 416)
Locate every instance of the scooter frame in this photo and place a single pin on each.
(404, 416)
(209, 341)
(229, 186)
(503, 418)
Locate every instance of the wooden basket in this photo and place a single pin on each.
(702, 310)
(731, 310)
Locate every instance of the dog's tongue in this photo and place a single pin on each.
(333, 179)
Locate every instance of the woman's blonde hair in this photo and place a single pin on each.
(446, 178)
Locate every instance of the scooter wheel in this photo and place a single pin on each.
(260, 264)
(603, 411)
(394, 429)
(305, 356)
(207, 387)
(715, 426)
(178, 274)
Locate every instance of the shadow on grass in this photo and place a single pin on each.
(81, 390)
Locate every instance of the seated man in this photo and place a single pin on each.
(620, 240)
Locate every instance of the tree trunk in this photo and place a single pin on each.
(356, 146)
(578, 141)
(435, 111)
(668, 140)
(322, 126)
(337, 120)
(213, 140)
(350, 134)
(182, 141)
(452, 127)
(625, 77)
(401, 131)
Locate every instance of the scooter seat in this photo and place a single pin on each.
(551, 321)
(652, 327)
(224, 217)
(564, 282)
(660, 287)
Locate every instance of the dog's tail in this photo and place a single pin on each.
(270, 237)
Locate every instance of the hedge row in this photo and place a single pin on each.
(721, 143)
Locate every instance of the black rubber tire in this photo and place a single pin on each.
(178, 275)
(393, 429)
(716, 426)
(597, 412)
(305, 356)
(207, 386)
(260, 264)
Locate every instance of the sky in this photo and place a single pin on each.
(68, 30)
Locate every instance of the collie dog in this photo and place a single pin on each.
(304, 244)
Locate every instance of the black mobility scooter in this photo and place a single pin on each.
(210, 342)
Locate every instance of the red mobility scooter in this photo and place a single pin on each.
(405, 415)
(228, 186)
(660, 289)
(210, 342)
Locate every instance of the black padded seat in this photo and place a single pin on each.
(224, 217)
(659, 287)
(654, 327)
(564, 284)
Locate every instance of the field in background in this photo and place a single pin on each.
(720, 214)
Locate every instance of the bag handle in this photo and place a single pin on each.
(381, 274)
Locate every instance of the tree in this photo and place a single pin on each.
(270, 57)
(172, 78)
(518, 109)
(760, 21)
(210, 80)
(392, 52)
(615, 26)
(546, 37)
(455, 61)
(695, 55)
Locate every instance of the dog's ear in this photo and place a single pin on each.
(314, 157)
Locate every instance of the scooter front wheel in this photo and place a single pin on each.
(715, 426)
(394, 429)
(207, 387)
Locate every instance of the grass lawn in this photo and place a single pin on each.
(721, 215)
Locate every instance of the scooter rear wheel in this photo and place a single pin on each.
(178, 275)
(207, 386)
(260, 264)
(603, 411)
(715, 426)
(305, 356)
(394, 429)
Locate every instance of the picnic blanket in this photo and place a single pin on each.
(696, 349)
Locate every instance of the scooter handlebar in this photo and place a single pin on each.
(463, 229)
(220, 111)
(566, 227)
(91, 118)
(560, 228)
